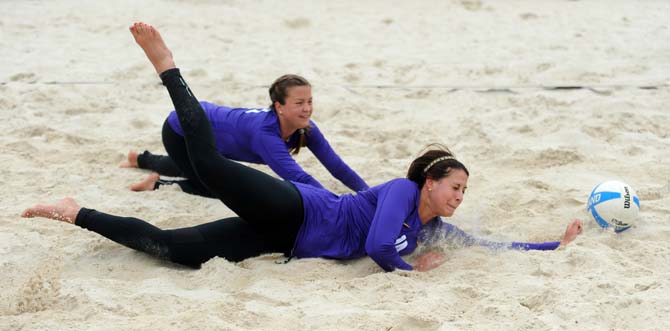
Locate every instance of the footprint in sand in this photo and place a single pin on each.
(528, 16)
(472, 5)
(352, 78)
(405, 74)
(558, 157)
(654, 193)
(523, 129)
(351, 66)
(538, 302)
(76, 111)
(297, 23)
(540, 185)
(50, 135)
(139, 124)
(416, 324)
(379, 64)
(24, 77)
(6, 103)
(542, 67)
(39, 293)
(419, 94)
(198, 73)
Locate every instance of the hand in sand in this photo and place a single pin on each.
(65, 210)
(153, 46)
(429, 261)
(574, 229)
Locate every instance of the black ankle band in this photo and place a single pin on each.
(172, 77)
(82, 217)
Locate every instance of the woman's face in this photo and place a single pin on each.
(446, 194)
(297, 110)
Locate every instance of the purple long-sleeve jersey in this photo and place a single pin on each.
(253, 135)
(381, 222)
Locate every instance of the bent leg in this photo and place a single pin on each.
(189, 186)
(162, 164)
(268, 203)
(175, 164)
(260, 199)
(175, 145)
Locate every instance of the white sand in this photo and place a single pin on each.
(76, 93)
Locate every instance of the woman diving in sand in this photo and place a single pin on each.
(385, 222)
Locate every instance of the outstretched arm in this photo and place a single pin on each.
(275, 154)
(320, 147)
(452, 232)
(434, 259)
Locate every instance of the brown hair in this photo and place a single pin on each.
(278, 92)
(424, 166)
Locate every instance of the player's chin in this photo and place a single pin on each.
(447, 212)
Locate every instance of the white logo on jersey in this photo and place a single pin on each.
(258, 110)
(401, 243)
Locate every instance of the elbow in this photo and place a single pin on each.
(381, 256)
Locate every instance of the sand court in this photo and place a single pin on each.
(541, 100)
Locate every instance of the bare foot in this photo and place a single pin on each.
(147, 184)
(153, 45)
(65, 210)
(131, 161)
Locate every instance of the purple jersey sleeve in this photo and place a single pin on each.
(452, 232)
(320, 147)
(274, 153)
(393, 205)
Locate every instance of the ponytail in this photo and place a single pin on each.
(302, 141)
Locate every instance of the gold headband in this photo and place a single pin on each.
(439, 159)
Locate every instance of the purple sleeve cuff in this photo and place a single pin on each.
(546, 246)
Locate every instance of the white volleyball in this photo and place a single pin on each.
(614, 204)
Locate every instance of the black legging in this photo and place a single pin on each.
(270, 210)
(175, 164)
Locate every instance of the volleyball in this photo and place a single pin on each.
(614, 204)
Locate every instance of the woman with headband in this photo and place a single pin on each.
(384, 222)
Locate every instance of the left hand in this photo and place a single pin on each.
(574, 229)
(429, 261)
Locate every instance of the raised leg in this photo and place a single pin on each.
(153, 45)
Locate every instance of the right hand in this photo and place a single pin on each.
(574, 229)
(428, 261)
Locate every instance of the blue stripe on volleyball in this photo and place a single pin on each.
(637, 201)
(604, 196)
(598, 219)
(588, 205)
(604, 223)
